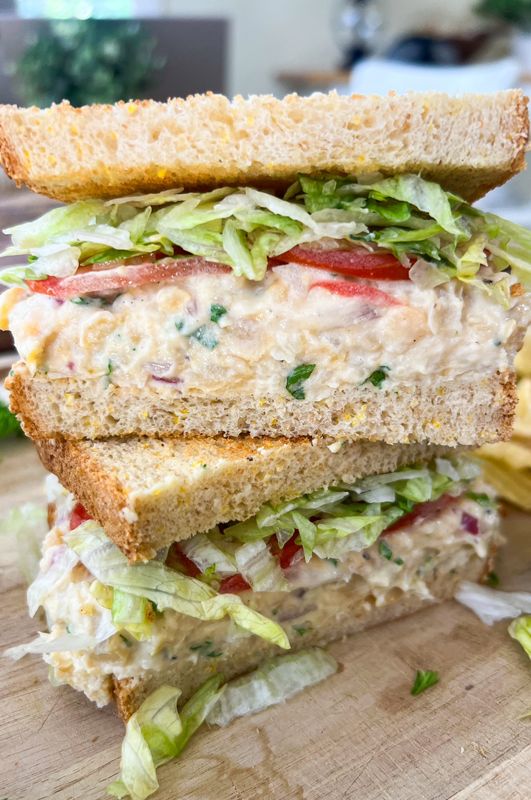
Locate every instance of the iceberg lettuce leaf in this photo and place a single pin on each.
(165, 587)
(156, 733)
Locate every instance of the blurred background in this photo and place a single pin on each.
(104, 50)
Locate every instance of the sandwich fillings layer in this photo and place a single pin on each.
(301, 573)
(331, 311)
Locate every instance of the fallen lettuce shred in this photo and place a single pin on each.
(275, 681)
(164, 587)
(158, 732)
(520, 629)
(411, 217)
(492, 605)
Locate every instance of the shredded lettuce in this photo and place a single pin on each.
(157, 733)
(132, 614)
(208, 549)
(55, 567)
(333, 522)
(275, 681)
(511, 245)
(413, 218)
(259, 568)
(165, 587)
(58, 222)
(46, 643)
(423, 195)
(69, 641)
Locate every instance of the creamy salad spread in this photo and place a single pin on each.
(433, 537)
(220, 335)
(342, 282)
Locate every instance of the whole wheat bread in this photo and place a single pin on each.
(148, 493)
(470, 411)
(469, 144)
(338, 610)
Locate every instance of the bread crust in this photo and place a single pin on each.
(469, 144)
(348, 615)
(466, 412)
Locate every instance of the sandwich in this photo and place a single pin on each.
(284, 268)
(130, 613)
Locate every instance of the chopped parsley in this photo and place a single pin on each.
(179, 324)
(399, 561)
(302, 630)
(206, 649)
(384, 549)
(205, 336)
(481, 499)
(378, 376)
(80, 301)
(492, 579)
(296, 378)
(405, 504)
(110, 367)
(423, 680)
(216, 312)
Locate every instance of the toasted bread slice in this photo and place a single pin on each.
(148, 493)
(469, 411)
(469, 144)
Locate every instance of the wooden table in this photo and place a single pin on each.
(360, 735)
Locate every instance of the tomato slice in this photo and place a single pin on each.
(353, 289)
(423, 510)
(123, 277)
(177, 559)
(357, 262)
(78, 516)
(234, 584)
(289, 553)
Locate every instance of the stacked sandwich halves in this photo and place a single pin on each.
(251, 348)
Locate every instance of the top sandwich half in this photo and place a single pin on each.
(280, 267)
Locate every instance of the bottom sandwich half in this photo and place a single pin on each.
(305, 572)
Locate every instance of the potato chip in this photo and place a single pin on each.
(516, 455)
(523, 359)
(511, 484)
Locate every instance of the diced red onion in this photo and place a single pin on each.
(469, 523)
(174, 381)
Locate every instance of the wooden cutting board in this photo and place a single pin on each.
(360, 735)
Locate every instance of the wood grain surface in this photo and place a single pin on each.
(360, 735)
